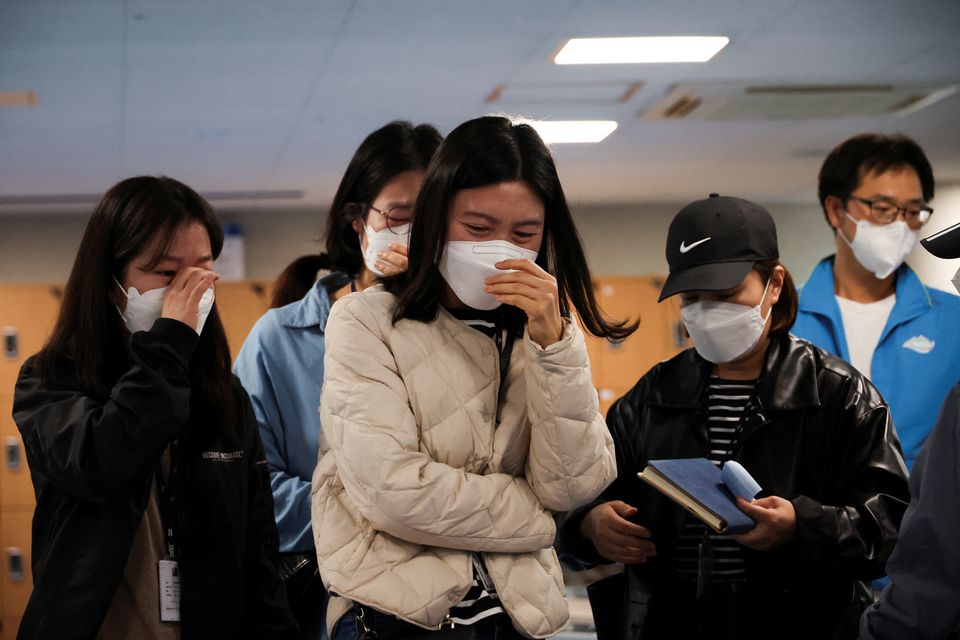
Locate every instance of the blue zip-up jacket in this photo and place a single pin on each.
(281, 367)
(917, 360)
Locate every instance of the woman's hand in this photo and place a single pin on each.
(533, 290)
(776, 523)
(393, 261)
(182, 301)
(615, 537)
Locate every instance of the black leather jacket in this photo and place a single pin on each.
(93, 461)
(820, 436)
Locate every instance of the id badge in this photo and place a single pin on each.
(169, 572)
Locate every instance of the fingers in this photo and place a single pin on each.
(187, 279)
(527, 266)
(749, 508)
(393, 261)
(622, 509)
(204, 282)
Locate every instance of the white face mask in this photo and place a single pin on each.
(378, 241)
(466, 265)
(724, 331)
(143, 309)
(881, 248)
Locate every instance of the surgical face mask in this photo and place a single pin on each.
(378, 241)
(881, 248)
(724, 331)
(143, 309)
(466, 265)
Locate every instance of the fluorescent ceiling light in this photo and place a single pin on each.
(562, 131)
(633, 50)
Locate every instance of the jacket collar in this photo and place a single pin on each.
(788, 380)
(817, 297)
(314, 308)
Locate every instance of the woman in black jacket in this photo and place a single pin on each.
(154, 514)
(812, 431)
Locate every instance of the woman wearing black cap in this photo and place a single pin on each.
(811, 430)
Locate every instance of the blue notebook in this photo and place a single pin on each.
(697, 485)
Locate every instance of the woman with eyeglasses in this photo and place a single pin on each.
(458, 409)
(154, 514)
(281, 362)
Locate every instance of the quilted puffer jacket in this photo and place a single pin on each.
(418, 467)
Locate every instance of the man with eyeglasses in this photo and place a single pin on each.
(864, 304)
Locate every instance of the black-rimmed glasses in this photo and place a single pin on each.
(886, 211)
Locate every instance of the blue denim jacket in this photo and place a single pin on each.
(281, 367)
(917, 360)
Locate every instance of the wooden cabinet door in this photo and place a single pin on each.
(618, 366)
(240, 305)
(17, 578)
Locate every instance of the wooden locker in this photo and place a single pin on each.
(17, 580)
(16, 489)
(240, 305)
(27, 314)
(619, 366)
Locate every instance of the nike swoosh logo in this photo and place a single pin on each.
(686, 247)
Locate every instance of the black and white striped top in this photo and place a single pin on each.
(481, 600)
(726, 402)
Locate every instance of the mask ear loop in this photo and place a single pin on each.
(127, 295)
(840, 229)
(766, 288)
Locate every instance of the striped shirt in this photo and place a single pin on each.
(481, 600)
(726, 402)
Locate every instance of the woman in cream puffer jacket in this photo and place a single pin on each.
(421, 465)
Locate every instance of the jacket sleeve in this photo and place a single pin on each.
(374, 436)
(291, 493)
(577, 551)
(92, 448)
(856, 533)
(265, 598)
(922, 600)
(571, 456)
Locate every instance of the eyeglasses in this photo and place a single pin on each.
(396, 216)
(886, 211)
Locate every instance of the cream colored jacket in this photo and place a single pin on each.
(416, 469)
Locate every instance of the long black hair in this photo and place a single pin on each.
(482, 152)
(383, 155)
(89, 336)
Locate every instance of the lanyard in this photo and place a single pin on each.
(167, 491)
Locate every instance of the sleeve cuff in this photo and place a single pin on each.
(179, 338)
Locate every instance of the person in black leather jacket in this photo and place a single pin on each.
(811, 430)
(143, 448)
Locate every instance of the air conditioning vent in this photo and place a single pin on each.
(533, 94)
(730, 102)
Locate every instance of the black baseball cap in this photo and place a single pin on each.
(944, 244)
(713, 243)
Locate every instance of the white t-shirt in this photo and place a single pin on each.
(863, 322)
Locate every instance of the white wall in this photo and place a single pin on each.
(619, 240)
(934, 271)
